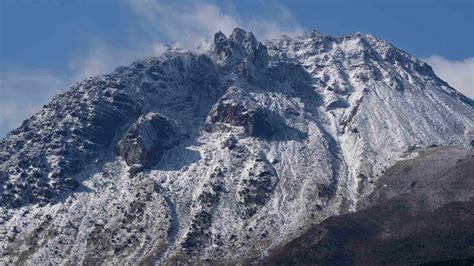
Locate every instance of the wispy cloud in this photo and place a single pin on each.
(102, 58)
(459, 74)
(23, 92)
(185, 24)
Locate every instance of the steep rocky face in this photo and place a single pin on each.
(257, 121)
(147, 139)
(41, 158)
(218, 155)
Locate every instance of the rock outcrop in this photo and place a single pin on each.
(147, 140)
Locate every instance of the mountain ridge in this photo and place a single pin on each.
(235, 150)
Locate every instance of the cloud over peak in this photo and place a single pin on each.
(181, 24)
(184, 24)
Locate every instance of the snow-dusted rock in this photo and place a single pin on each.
(147, 139)
(234, 151)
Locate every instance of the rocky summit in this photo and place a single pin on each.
(307, 149)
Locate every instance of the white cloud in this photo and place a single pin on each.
(185, 25)
(102, 58)
(23, 92)
(279, 22)
(182, 24)
(459, 74)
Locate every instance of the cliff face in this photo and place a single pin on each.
(219, 155)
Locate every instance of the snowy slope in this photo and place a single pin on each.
(217, 155)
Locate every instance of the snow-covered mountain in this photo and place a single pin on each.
(220, 155)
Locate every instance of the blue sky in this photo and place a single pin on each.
(45, 45)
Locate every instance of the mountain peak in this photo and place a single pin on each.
(237, 47)
(206, 156)
(246, 39)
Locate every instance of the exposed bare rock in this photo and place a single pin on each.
(147, 139)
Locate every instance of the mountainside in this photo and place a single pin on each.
(421, 211)
(217, 155)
